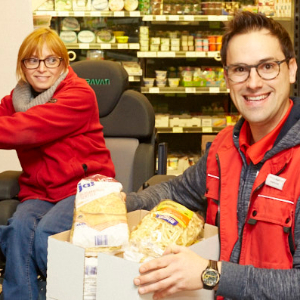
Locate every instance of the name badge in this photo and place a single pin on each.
(275, 181)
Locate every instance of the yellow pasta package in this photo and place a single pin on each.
(167, 223)
(100, 215)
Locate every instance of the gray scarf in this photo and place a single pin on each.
(23, 98)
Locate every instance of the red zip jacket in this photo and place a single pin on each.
(58, 143)
(270, 218)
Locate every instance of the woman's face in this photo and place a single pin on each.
(42, 78)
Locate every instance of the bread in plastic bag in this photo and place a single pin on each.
(100, 216)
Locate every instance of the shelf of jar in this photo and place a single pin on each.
(180, 54)
(88, 13)
(185, 90)
(104, 46)
(178, 129)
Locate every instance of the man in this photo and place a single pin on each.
(248, 182)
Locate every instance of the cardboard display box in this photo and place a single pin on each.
(65, 279)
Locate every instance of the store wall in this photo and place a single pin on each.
(15, 24)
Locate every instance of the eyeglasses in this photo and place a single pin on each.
(266, 70)
(50, 62)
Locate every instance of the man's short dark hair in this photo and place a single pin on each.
(246, 21)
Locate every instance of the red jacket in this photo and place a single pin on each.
(58, 143)
(270, 218)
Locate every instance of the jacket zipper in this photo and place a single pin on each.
(217, 222)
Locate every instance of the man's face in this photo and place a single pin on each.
(261, 102)
(43, 78)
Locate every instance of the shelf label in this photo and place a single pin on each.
(95, 13)
(166, 54)
(119, 13)
(207, 129)
(105, 46)
(63, 13)
(122, 46)
(78, 13)
(173, 18)
(160, 18)
(134, 46)
(154, 90)
(177, 129)
(188, 18)
(214, 89)
(207, 122)
(146, 54)
(83, 46)
(135, 13)
(190, 90)
(148, 18)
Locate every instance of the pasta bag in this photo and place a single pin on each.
(100, 216)
(167, 223)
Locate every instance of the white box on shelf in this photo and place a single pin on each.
(66, 268)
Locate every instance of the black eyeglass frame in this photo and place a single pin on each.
(249, 67)
(44, 61)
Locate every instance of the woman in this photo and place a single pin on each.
(51, 118)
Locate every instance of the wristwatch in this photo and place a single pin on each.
(210, 276)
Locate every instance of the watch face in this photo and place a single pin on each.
(210, 277)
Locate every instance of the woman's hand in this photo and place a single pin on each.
(177, 270)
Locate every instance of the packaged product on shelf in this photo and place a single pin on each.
(47, 5)
(63, 5)
(131, 5)
(81, 5)
(116, 5)
(86, 36)
(132, 68)
(99, 5)
(41, 21)
(105, 36)
(68, 36)
(70, 23)
(230, 8)
(144, 6)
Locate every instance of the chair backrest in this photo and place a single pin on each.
(128, 121)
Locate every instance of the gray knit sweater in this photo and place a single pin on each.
(237, 281)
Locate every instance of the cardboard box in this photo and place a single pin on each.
(65, 279)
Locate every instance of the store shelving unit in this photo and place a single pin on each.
(180, 97)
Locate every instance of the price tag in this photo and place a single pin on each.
(177, 129)
(188, 18)
(207, 122)
(214, 90)
(160, 18)
(78, 13)
(165, 54)
(148, 18)
(190, 90)
(95, 13)
(84, 46)
(191, 54)
(63, 13)
(207, 129)
(105, 46)
(135, 13)
(119, 13)
(173, 18)
(135, 46)
(122, 46)
(154, 90)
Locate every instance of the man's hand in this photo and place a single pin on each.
(177, 270)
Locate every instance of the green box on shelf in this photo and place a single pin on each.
(199, 83)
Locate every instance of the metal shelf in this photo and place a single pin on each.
(184, 90)
(117, 46)
(179, 54)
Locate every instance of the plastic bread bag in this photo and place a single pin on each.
(167, 223)
(100, 216)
